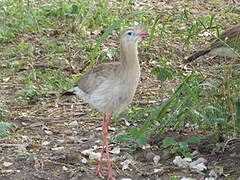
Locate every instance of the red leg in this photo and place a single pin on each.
(99, 167)
(106, 119)
(110, 174)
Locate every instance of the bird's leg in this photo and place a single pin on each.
(99, 167)
(106, 119)
(110, 175)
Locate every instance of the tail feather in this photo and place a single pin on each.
(78, 92)
(197, 55)
(69, 92)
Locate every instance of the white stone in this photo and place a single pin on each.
(73, 123)
(7, 164)
(115, 150)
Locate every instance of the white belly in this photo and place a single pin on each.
(112, 97)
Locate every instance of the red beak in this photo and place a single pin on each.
(142, 34)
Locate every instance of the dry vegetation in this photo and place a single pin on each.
(46, 45)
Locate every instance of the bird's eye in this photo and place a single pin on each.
(130, 33)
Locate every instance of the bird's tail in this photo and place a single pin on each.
(196, 55)
(69, 92)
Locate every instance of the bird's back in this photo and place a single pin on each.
(108, 87)
(96, 76)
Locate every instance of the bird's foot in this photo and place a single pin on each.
(110, 174)
(100, 170)
(111, 178)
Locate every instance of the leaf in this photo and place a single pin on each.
(162, 74)
(164, 107)
(123, 138)
(75, 9)
(168, 141)
(142, 140)
(237, 105)
(193, 139)
(193, 96)
(186, 154)
(183, 145)
(134, 132)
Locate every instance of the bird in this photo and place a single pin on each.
(110, 87)
(226, 45)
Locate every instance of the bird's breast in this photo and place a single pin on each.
(115, 94)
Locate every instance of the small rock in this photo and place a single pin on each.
(199, 167)
(184, 178)
(126, 179)
(200, 160)
(6, 79)
(7, 164)
(210, 178)
(6, 171)
(125, 164)
(198, 164)
(212, 173)
(219, 170)
(194, 153)
(87, 152)
(115, 150)
(126, 122)
(156, 159)
(57, 148)
(110, 128)
(64, 168)
(84, 160)
(159, 171)
(45, 143)
(187, 159)
(178, 161)
(73, 124)
(95, 156)
(48, 132)
(147, 146)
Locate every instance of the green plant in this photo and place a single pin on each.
(138, 136)
(50, 81)
(3, 128)
(174, 178)
(182, 147)
(163, 73)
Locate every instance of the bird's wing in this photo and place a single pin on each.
(94, 77)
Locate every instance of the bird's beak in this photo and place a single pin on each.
(142, 34)
(140, 30)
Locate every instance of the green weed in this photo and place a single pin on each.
(181, 147)
(3, 128)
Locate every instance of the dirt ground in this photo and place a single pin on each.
(47, 141)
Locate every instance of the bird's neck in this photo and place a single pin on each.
(129, 56)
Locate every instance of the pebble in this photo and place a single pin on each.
(73, 123)
(7, 164)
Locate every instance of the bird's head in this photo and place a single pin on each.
(131, 36)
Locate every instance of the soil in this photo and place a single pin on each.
(47, 138)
